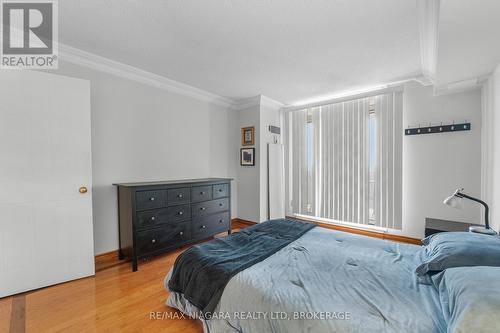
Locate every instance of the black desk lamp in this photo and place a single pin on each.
(455, 201)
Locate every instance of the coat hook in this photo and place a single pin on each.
(437, 129)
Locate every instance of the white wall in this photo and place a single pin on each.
(247, 177)
(435, 165)
(142, 133)
(251, 181)
(493, 177)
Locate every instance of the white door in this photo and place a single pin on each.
(45, 222)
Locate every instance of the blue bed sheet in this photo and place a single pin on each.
(329, 281)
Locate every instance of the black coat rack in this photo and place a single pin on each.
(438, 129)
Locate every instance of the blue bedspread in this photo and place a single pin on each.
(328, 281)
(201, 272)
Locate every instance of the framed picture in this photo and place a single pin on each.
(247, 156)
(248, 136)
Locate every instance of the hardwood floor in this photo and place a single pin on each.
(114, 300)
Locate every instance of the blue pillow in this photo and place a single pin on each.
(456, 249)
(470, 298)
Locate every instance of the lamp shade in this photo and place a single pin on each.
(454, 201)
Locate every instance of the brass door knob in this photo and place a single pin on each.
(82, 190)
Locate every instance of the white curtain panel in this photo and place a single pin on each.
(296, 189)
(327, 155)
(389, 170)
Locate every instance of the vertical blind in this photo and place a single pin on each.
(344, 161)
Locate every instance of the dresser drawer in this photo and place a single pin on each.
(151, 218)
(160, 238)
(209, 207)
(149, 199)
(178, 213)
(203, 227)
(178, 196)
(201, 193)
(220, 191)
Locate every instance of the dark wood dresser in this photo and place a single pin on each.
(155, 217)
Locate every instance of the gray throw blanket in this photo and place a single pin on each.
(202, 272)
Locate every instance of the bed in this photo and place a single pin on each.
(325, 281)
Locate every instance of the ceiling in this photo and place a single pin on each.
(288, 50)
(469, 39)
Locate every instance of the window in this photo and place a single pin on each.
(344, 161)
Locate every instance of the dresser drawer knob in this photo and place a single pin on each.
(180, 196)
(180, 213)
(153, 241)
(221, 220)
(152, 199)
(221, 204)
(201, 193)
(153, 218)
(203, 226)
(181, 233)
(202, 208)
(220, 190)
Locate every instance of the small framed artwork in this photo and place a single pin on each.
(247, 156)
(248, 136)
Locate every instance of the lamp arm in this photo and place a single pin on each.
(486, 208)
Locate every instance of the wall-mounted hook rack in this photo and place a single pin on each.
(438, 129)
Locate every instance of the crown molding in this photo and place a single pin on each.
(379, 90)
(93, 61)
(259, 100)
(458, 86)
(246, 103)
(369, 91)
(270, 103)
(423, 80)
(428, 25)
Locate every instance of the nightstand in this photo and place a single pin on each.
(433, 226)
